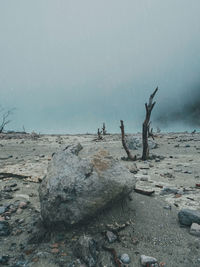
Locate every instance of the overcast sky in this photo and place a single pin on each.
(67, 66)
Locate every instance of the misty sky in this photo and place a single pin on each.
(67, 66)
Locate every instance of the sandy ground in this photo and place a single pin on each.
(152, 229)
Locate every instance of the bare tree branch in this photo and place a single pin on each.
(130, 157)
(5, 117)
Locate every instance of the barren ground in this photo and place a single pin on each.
(151, 230)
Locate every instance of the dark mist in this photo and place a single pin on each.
(185, 110)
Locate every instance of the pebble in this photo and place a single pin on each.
(125, 258)
(147, 260)
(195, 229)
(187, 216)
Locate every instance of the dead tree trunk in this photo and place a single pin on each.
(104, 129)
(99, 135)
(146, 125)
(129, 156)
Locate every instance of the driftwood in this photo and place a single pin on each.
(129, 156)
(146, 125)
(144, 192)
(4, 175)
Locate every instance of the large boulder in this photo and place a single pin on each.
(76, 188)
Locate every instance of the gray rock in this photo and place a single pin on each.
(125, 258)
(187, 216)
(86, 250)
(195, 229)
(147, 260)
(76, 188)
(135, 143)
(4, 228)
(167, 191)
(111, 236)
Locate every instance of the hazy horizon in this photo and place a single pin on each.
(69, 66)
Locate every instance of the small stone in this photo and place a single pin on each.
(187, 216)
(147, 260)
(19, 211)
(111, 236)
(125, 258)
(168, 207)
(21, 221)
(144, 179)
(195, 229)
(23, 205)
